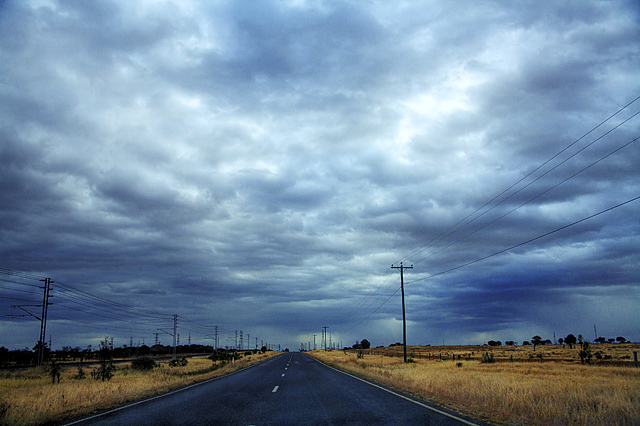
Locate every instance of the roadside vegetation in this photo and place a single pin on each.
(553, 385)
(55, 392)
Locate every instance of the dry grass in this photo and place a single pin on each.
(513, 393)
(28, 397)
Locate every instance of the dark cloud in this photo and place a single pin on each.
(259, 167)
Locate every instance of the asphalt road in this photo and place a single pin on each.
(290, 389)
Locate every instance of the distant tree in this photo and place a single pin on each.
(4, 355)
(54, 371)
(105, 369)
(611, 340)
(510, 343)
(570, 340)
(365, 344)
(494, 343)
(561, 340)
(547, 342)
(585, 353)
(535, 341)
(620, 339)
(526, 343)
(600, 340)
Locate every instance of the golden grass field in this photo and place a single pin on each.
(28, 397)
(555, 389)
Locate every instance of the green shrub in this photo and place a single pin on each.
(143, 363)
(221, 355)
(178, 362)
(487, 358)
(81, 375)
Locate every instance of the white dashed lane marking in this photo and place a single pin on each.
(275, 389)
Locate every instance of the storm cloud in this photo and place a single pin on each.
(259, 167)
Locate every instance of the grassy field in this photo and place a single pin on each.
(28, 397)
(551, 389)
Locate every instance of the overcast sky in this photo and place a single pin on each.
(259, 166)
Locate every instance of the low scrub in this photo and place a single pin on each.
(143, 363)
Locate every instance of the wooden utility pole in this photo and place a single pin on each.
(404, 320)
(324, 336)
(175, 334)
(43, 321)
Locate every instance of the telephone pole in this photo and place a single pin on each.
(175, 333)
(324, 336)
(215, 343)
(314, 342)
(43, 321)
(404, 320)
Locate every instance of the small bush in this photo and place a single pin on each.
(104, 372)
(54, 371)
(143, 363)
(178, 362)
(487, 358)
(221, 355)
(81, 375)
(458, 364)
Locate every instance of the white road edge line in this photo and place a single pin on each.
(275, 389)
(444, 413)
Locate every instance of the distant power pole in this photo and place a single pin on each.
(314, 342)
(324, 336)
(215, 342)
(157, 341)
(175, 333)
(43, 321)
(404, 320)
(241, 341)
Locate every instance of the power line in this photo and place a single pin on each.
(546, 234)
(535, 197)
(437, 238)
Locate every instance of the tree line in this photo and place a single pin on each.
(569, 340)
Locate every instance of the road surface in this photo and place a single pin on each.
(290, 389)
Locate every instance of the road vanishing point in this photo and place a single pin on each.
(289, 389)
